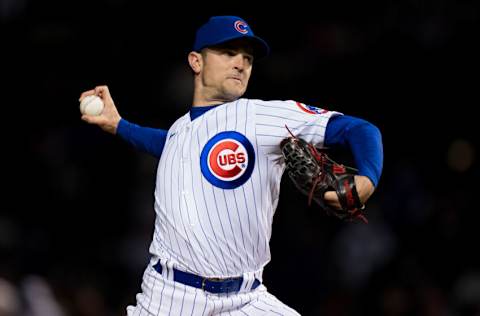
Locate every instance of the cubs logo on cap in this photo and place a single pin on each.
(310, 109)
(222, 29)
(241, 26)
(227, 160)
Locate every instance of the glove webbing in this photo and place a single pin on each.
(350, 200)
(321, 160)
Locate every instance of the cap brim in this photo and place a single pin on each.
(260, 47)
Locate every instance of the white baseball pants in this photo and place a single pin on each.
(161, 296)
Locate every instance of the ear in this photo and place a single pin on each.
(196, 61)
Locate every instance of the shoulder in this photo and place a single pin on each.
(181, 121)
(352, 121)
(269, 103)
(291, 107)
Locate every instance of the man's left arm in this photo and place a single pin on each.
(365, 143)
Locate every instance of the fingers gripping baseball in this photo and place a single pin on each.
(109, 118)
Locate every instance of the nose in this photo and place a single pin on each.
(239, 62)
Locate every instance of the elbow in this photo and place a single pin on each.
(373, 129)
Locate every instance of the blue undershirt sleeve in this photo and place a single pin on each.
(146, 139)
(364, 141)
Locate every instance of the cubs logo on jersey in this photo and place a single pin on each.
(310, 109)
(227, 160)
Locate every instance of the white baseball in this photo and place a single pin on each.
(91, 105)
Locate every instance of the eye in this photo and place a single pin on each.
(230, 53)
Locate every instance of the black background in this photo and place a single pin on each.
(77, 207)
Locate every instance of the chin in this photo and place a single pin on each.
(236, 96)
(232, 97)
(233, 94)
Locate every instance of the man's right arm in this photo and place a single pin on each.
(149, 140)
(146, 139)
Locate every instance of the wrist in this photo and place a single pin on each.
(364, 187)
(119, 125)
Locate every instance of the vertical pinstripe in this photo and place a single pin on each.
(161, 298)
(172, 288)
(177, 202)
(215, 232)
(151, 293)
(193, 304)
(220, 243)
(224, 240)
(199, 219)
(179, 248)
(246, 252)
(163, 226)
(259, 169)
(189, 244)
(238, 256)
(251, 182)
(203, 230)
(224, 267)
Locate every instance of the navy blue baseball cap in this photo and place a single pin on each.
(221, 29)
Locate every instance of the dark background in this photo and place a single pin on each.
(76, 216)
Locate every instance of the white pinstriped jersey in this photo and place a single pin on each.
(218, 184)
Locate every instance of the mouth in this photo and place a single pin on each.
(239, 80)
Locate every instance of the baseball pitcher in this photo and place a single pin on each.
(219, 173)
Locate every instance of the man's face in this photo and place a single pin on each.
(226, 70)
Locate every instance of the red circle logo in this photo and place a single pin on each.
(310, 109)
(228, 160)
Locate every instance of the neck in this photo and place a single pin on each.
(204, 99)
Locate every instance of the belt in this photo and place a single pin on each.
(212, 285)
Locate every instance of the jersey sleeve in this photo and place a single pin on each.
(364, 141)
(274, 119)
(145, 139)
